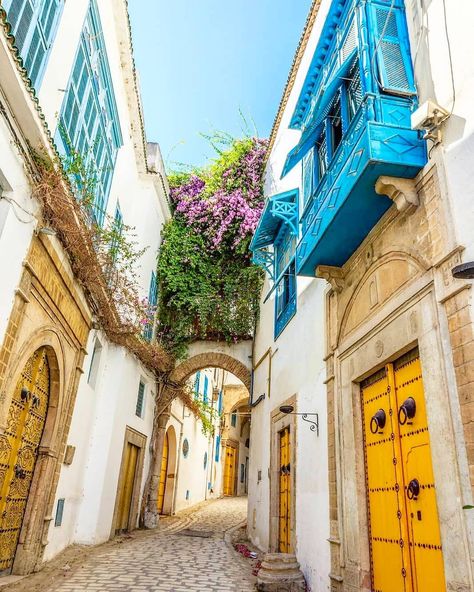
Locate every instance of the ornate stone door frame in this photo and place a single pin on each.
(280, 421)
(411, 319)
(138, 440)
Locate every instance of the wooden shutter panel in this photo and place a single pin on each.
(22, 23)
(393, 51)
(308, 174)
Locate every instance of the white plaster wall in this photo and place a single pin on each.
(192, 476)
(101, 414)
(16, 226)
(297, 369)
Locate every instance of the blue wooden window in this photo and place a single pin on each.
(117, 232)
(392, 50)
(206, 389)
(218, 448)
(140, 399)
(285, 282)
(152, 301)
(58, 520)
(89, 122)
(309, 180)
(233, 420)
(34, 24)
(196, 384)
(220, 402)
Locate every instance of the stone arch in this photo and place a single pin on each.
(382, 280)
(43, 484)
(212, 359)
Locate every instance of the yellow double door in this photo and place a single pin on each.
(19, 450)
(163, 474)
(405, 541)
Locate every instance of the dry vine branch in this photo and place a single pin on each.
(112, 297)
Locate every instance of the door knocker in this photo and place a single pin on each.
(413, 490)
(407, 411)
(378, 421)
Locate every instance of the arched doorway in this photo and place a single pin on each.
(19, 449)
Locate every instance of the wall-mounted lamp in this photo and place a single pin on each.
(465, 271)
(290, 410)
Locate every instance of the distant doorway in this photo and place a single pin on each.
(163, 475)
(128, 489)
(229, 471)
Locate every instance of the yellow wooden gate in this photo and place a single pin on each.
(405, 541)
(127, 487)
(229, 470)
(19, 450)
(163, 474)
(284, 514)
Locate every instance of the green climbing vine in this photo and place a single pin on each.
(209, 288)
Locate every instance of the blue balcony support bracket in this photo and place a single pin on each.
(266, 260)
(286, 211)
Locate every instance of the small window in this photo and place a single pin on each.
(233, 420)
(58, 520)
(95, 363)
(196, 385)
(206, 390)
(205, 461)
(286, 290)
(140, 399)
(242, 473)
(218, 448)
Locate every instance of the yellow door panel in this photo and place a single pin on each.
(163, 474)
(425, 539)
(229, 470)
(19, 450)
(284, 529)
(390, 557)
(128, 482)
(405, 539)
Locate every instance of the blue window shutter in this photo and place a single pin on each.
(218, 448)
(206, 388)
(219, 405)
(308, 175)
(140, 399)
(392, 44)
(196, 384)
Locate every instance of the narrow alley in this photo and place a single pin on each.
(191, 552)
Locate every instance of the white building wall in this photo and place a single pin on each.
(89, 484)
(297, 369)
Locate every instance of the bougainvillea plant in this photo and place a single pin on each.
(209, 288)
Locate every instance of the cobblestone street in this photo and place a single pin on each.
(164, 561)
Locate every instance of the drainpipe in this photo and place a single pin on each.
(268, 354)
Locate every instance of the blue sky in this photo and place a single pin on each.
(200, 61)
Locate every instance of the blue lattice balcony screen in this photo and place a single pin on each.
(89, 122)
(354, 114)
(33, 24)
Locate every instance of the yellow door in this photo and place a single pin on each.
(127, 486)
(19, 450)
(163, 474)
(229, 470)
(403, 521)
(284, 541)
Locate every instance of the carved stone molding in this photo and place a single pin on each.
(401, 191)
(333, 275)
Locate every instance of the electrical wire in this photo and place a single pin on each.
(14, 203)
(448, 43)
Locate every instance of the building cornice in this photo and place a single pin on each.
(313, 12)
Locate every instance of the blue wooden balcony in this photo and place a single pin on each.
(344, 206)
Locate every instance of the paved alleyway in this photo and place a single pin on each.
(167, 560)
